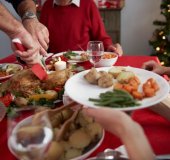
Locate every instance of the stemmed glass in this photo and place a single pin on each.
(95, 50)
(29, 140)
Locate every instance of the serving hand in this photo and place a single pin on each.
(38, 32)
(31, 45)
(154, 67)
(126, 129)
(116, 48)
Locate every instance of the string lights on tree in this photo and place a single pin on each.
(160, 40)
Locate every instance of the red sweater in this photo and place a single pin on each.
(70, 26)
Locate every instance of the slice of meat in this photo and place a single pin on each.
(56, 78)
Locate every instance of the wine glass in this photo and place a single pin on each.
(95, 50)
(29, 140)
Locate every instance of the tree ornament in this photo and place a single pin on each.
(160, 40)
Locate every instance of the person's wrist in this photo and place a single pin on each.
(122, 126)
(28, 15)
(110, 48)
(19, 31)
(166, 70)
(113, 48)
(125, 129)
(130, 131)
(29, 22)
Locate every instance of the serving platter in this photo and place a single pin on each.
(27, 121)
(76, 59)
(11, 68)
(80, 90)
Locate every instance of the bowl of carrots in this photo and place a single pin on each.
(108, 59)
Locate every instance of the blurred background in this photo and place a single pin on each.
(133, 23)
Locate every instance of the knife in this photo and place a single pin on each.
(39, 68)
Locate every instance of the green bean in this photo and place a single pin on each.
(94, 100)
(116, 99)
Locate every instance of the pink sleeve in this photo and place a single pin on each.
(98, 29)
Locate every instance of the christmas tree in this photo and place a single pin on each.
(160, 40)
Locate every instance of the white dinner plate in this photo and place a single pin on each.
(80, 90)
(5, 65)
(71, 60)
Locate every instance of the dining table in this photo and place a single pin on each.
(155, 125)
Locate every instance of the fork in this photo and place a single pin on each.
(81, 48)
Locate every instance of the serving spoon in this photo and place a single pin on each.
(51, 112)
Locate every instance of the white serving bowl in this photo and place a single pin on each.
(107, 62)
(27, 121)
(88, 153)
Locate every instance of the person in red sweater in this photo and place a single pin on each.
(72, 24)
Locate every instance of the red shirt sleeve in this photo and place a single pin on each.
(98, 29)
(44, 14)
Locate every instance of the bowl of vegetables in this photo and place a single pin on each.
(108, 59)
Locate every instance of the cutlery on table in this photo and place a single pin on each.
(81, 48)
(109, 154)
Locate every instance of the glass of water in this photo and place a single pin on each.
(29, 140)
(95, 50)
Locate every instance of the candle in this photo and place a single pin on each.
(60, 65)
